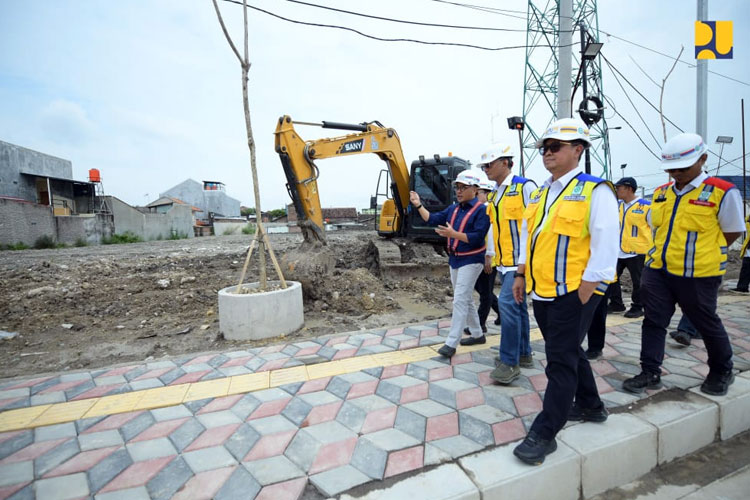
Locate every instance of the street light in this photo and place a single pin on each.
(592, 50)
(516, 123)
(722, 139)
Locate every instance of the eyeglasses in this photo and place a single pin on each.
(461, 187)
(552, 147)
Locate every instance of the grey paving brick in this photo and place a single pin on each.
(194, 406)
(218, 418)
(391, 342)
(35, 389)
(149, 383)
(48, 398)
(391, 388)
(632, 368)
(341, 384)
(197, 367)
(334, 481)
(26, 493)
(375, 372)
(79, 389)
(254, 364)
(457, 446)
(71, 377)
(241, 441)
(15, 473)
(444, 391)
(208, 459)
(170, 479)
(369, 459)
(237, 354)
(326, 352)
(135, 373)
(137, 425)
(171, 413)
(63, 487)
(172, 375)
(85, 423)
(218, 360)
(271, 394)
(21, 403)
(434, 455)
(186, 434)
(55, 456)
(290, 350)
(375, 349)
(240, 486)
(353, 412)
(245, 406)
(475, 429)
(428, 408)
(410, 423)
(292, 388)
(114, 379)
(158, 365)
(50, 432)
(496, 397)
(297, 410)
(430, 340)
(138, 493)
(232, 371)
(95, 440)
(273, 470)
(307, 442)
(12, 445)
(212, 375)
(106, 470)
(421, 369)
(153, 448)
(271, 425)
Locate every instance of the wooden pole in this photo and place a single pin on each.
(244, 268)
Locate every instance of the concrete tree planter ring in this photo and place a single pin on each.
(252, 316)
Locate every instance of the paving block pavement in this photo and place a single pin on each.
(734, 408)
(336, 425)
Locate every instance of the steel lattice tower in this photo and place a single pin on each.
(541, 75)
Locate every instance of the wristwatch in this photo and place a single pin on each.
(516, 274)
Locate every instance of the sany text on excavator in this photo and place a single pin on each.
(430, 177)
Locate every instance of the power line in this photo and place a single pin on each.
(380, 39)
(672, 57)
(631, 127)
(492, 10)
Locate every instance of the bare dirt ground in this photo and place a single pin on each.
(95, 306)
(83, 308)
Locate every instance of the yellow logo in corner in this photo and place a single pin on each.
(713, 40)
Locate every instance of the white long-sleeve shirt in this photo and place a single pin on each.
(604, 227)
(528, 188)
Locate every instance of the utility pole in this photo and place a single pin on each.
(582, 27)
(565, 55)
(744, 171)
(701, 83)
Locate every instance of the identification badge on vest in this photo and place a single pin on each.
(661, 198)
(636, 211)
(702, 203)
(574, 197)
(704, 196)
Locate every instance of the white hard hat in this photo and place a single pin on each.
(566, 129)
(494, 152)
(682, 151)
(484, 182)
(467, 177)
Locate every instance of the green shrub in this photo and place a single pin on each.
(15, 246)
(126, 237)
(229, 230)
(81, 242)
(249, 229)
(45, 241)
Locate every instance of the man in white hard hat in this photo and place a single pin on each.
(571, 253)
(508, 204)
(695, 219)
(465, 226)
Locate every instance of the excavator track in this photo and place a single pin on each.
(395, 260)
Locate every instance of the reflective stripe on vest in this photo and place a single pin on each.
(452, 246)
(506, 223)
(688, 240)
(746, 243)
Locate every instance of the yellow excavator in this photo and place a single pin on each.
(430, 177)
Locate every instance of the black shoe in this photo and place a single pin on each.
(642, 381)
(497, 320)
(593, 354)
(615, 308)
(717, 384)
(578, 414)
(534, 448)
(634, 312)
(739, 291)
(467, 331)
(681, 337)
(474, 340)
(447, 351)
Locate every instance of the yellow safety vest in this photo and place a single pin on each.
(635, 233)
(688, 240)
(746, 243)
(557, 256)
(506, 216)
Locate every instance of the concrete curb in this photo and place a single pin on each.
(591, 458)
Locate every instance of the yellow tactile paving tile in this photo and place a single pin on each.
(64, 412)
(21, 418)
(161, 397)
(288, 376)
(117, 403)
(250, 382)
(215, 388)
(37, 416)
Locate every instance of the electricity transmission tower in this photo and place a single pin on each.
(540, 88)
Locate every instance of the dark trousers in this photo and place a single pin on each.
(697, 298)
(634, 265)
(598, 329)
(564, 323)
(744, 281)
(487, 299)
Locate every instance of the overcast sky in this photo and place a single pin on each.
(148, 91)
